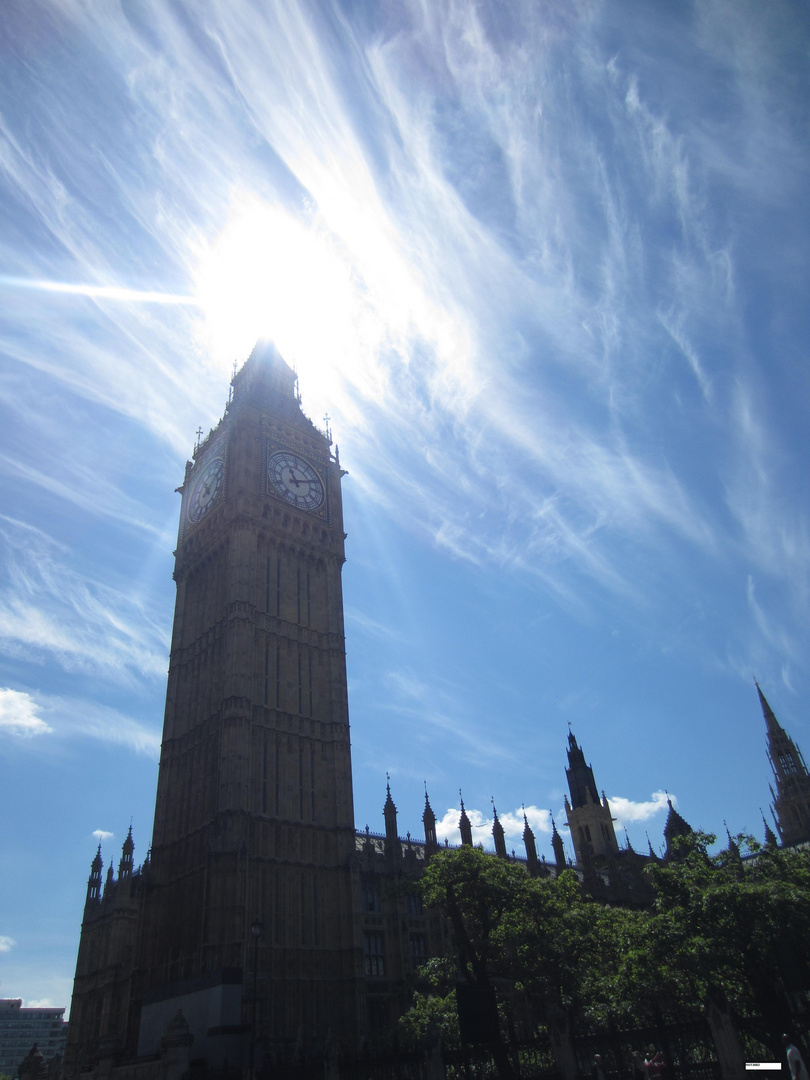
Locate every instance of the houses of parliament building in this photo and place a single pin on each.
(262, 925)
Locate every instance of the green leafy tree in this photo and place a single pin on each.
(730, 925)
(537, 938)
(723, 924)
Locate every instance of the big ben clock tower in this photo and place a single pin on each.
(247, 906)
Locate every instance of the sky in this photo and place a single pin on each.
(544, 265)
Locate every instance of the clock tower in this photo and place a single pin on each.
(247, 918)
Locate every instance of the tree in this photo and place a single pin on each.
(730, 925)
(538, 937)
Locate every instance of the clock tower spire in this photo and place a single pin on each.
(254, 816)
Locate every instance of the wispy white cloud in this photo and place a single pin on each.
(87, 490)
(436, 704)
(101, 835)
(6, 943)
(60, 718)
(90, 721)
(48, 610)
(442, 269)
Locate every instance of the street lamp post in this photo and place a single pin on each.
(256, 933)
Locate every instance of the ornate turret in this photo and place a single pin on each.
(589, 818)
(581, 783)
(429, 821)
(791, 800)
(125, 865)
(675, 826)
(498, 834)
(529, 844)
(464, 826)
(94, 881)
(557, 845)
(733, 855)
(390, 815)
(770, 835)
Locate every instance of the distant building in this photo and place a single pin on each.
(20, 1028)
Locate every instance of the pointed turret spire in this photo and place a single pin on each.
(557, 845)
(125, 865)
(429, 821)
(94, 881)
(579, 774)
(498, 833)
(675, 826)
(770, 835)
(791, 801)
(266, 379)
(465, 828)
(390, 815)
(109, 884)
(773, 725)
(530, 845)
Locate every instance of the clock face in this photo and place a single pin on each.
(206, 489)
(295, 480)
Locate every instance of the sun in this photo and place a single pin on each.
(271, 275)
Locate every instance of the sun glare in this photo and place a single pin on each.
(268, 275)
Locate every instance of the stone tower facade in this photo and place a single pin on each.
(589, 817)
(101, 990)
(248, 905)
(791, 799)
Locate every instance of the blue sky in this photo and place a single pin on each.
(545, 267)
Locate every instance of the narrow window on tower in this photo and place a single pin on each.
(264, 771)
(276, 898)
(278, 586)
(413, 904)
(418, 945)
(300, 687)
(370, 890)
(278, 774)
(266, 673)
(309, 680)
(315, 913)
(309, 608)
(267, 586)
(298, 592)
(278, 676)
(312, 779)
(301, 782)
(303, 910)
(374, 954)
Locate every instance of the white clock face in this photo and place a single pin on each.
(295, 480)
(206, 489)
